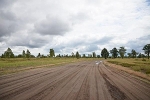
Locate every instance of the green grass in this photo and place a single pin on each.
(137, 64)
(13, 65)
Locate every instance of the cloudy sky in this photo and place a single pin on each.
(73, 25)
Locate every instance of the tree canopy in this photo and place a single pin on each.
(104, 53)
(52, 53)
(8, 53)
(94, 55)
(122, 52)
(146, 48)
(114, 52)
(133, 53)
(77, 55)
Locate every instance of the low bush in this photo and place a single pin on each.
(143, 59)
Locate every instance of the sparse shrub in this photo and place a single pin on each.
(136, 59)
(147, 72)
(143, 59)
(127, 64)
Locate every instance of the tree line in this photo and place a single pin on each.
(122, 51)
(114, 53)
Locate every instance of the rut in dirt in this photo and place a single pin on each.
(78, 81)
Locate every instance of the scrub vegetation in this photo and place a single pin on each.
(137, 64)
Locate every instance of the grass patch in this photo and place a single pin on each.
(137, 64)
(13, 65)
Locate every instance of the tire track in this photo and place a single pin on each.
(129, 82)
(78, 81)
(129, 88)
(132, 79)
(22, 88)
(10, 80)
(83, 93)
(72, 87)
(51, 87)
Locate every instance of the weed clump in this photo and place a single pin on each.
(143, 59)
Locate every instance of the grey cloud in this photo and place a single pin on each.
(103, 40)
(52, 26)
(31, 41)
(91, 48)
(138, 44)
(9, 23)
(7, 15)
(5, 3)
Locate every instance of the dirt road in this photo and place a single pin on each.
(80, 81)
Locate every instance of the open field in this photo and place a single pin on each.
(13, 65)
(136, 64)
(86, 80)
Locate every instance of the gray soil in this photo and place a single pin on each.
(79, 81)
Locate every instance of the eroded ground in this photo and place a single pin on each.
(79, 81)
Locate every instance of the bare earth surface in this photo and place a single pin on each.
(79, 81)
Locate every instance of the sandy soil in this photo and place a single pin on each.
(79, 81)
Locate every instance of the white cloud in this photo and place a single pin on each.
(73, 25)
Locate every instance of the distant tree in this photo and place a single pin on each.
(2, 56)
(140, 55)
(67, 55)
(32, 56)
(146, 48)
(77, 55)
(98, 56)
(129, 55)
(28, 54)
(122, 52)
(19, 56)
(23, 54)
(52, 53)
(134, 53)
(94, 55)
(143, 56)
(8, 53)
(84, 56)
(72, 54)
(39, 55)
(114, 52)
(59, 55)
(104, 53)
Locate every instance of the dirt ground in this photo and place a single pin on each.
(79, 81)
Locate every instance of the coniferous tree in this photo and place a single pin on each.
(23, 54)
(39, 55)
(77, 55)
(94, 55)
(83, 56)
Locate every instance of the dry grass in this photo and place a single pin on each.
(13, 65)
(133, 66)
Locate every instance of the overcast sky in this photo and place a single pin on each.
(73, 25)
